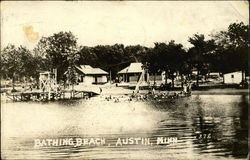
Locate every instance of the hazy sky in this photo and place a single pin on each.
(127, 22)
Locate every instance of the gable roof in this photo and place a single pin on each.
(125, 70)
(132, 68)
(87, 69)
(135, 67)
(234, 72)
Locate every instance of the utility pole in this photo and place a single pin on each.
(110, 76)
(55, 72)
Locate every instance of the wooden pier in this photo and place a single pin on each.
(49, 96)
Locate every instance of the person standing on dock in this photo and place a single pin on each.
(185, 88)
(153, 90)
(189, 87)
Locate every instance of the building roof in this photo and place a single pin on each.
(125, 70)
(87, 69)
(46, 73)
(233, 72)
(214, 74)
(132, 68)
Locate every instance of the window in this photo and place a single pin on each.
(232, 76)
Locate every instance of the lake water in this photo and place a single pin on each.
(205, 126)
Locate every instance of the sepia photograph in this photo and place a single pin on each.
(133, 80)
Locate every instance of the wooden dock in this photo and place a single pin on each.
(49, 96)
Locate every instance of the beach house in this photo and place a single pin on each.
(233, 77)
(131, 74)
(90, 75)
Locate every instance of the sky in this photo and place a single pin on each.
(126, 22)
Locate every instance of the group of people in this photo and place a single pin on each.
(153, 95)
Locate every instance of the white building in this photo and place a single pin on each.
(132, 73)
(90, 75)
(233, 78)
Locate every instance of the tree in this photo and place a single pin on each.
(86, 56)
(57, 48)
(72, 74)
(10, 60)
(152, 59)
(28, 64)
(167, 57)
(136, 53)
(16, 63)
(233, 47)
(108, 57)
(199, 52)
(175, 55)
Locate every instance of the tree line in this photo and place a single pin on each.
(224, 51)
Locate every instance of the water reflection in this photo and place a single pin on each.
(206, 126)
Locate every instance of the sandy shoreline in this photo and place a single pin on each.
(113, 90)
